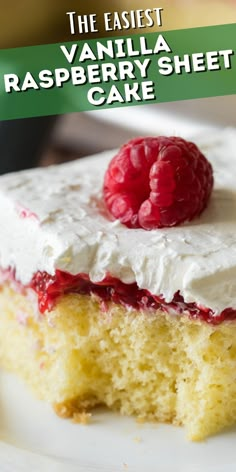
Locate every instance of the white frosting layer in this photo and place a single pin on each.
(72, 232)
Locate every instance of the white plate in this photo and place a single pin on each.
(34, 439)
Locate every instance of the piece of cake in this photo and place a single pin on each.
(97, 313)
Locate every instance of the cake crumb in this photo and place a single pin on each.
(77, 413)
(125, 466)
(137, 439)
(82, 417)
(63, 410)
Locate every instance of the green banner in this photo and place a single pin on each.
(119, 71)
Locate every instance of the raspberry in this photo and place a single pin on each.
(157, 182)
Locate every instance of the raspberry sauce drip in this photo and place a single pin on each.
(49, 288)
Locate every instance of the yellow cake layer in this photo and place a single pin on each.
(151, 365)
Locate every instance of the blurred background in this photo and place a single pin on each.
(29, 142)
(25, 23)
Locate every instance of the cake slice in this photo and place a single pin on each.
(97, 313)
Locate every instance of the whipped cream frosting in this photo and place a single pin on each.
(54, 218)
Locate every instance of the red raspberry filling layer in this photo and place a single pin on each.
(49, 288)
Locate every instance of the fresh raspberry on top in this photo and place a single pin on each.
(157, 182)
